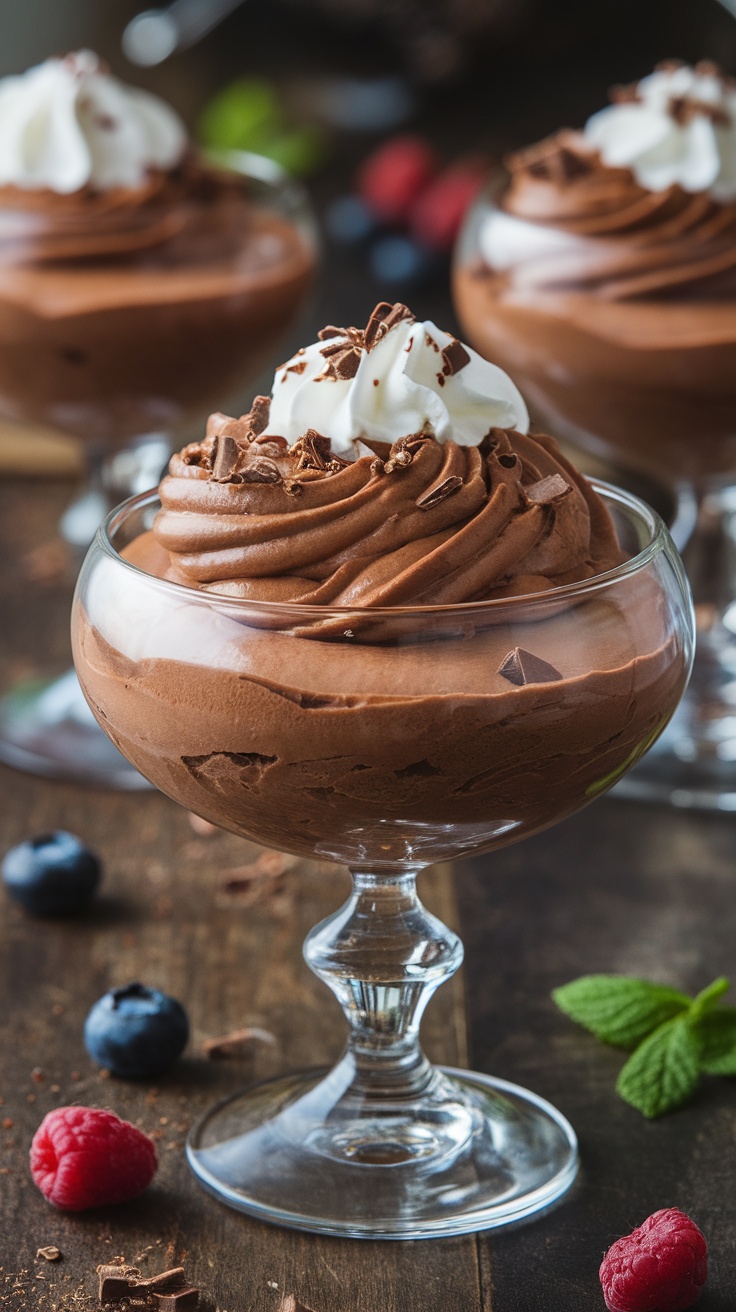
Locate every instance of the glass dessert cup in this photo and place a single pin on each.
(130, 375)
(649, 382)
(388, 740)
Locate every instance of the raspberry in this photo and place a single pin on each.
(83, 1157)
(390, 180)
(660, 1267)
(436, 215)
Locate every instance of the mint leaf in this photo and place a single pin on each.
(619, 1010)
(663, 1071)
(716, 1035)
(707, 998)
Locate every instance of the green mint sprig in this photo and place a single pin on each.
(672, 1037)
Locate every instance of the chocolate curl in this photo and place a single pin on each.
(547, 490)
(521, 667)
(383, 318)
(225, 454)
(434, 495)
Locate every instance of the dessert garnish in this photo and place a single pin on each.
(49, 1253)
(85, 1157)
(169, 1291)
(391, 466)
(661, 1266)
(238, 1043)
(136, 1032)
(521, 667)
(673, 1038)
(54, 874)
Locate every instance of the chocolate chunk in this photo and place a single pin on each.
(116, 1282)
(434, 495)
(165, 1282)
(454, 358)
(259, 414)
(521, 667)
(225, 454)
(261, 470)
(383, 318)
(549, 489)
(342, 364)
(180, 1300)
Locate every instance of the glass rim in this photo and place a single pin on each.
(658, 538)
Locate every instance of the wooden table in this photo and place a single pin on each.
(619, 888)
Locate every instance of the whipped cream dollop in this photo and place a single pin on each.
(396, 377)
(676, 127)
(68, 124)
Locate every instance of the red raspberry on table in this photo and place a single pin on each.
(660, 1267)
(390, 179)
(84, 1157)
(437, 213)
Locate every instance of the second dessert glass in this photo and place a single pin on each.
(387, 739)
(129, 347)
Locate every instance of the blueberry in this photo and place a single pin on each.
(52, 875)
(136, 1032)
(349, 220)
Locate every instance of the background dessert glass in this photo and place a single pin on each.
(388, 740)
(120, 350)
(614, 308)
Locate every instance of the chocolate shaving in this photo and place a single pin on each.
(342, 364)
(259, 414)
(521, 667)
(683, 109)
(261, 470)
(547, 490)
(180, 1300)
(237, 1044)
(225, 454)
(313, 451)
(383, 318)
(325, 334)
(454, 358)
(50, 1253)
(165, 1282)
(297, 367)
(434, 495)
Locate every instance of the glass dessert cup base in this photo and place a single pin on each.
(477, 1154)
(385, 1145)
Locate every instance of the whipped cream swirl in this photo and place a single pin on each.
(676, 127)
(400, 376)
(68, 124)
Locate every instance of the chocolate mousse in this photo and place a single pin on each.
(138, 281)
(462, 683)
(603, 274)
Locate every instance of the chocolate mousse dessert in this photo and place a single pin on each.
(602, 273)
(139, 281)
(365, 616)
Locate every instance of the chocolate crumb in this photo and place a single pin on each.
(50, 1253)
(521, 667)
(434, 495)
(290, 1303)
(547, 490)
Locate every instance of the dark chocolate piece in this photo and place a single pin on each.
(521, 667)
(259, 414)
(225, 453)
(261, 470)
(434, 495)
(547, 490)
(179, 1300)
(117, 1282)
(454, 358)
(165, 1283)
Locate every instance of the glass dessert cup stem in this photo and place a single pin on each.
(694, 763)
(448, 1151)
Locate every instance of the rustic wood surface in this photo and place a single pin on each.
(619, 887)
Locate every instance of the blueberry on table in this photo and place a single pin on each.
(136, 1032)
(52, 875)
